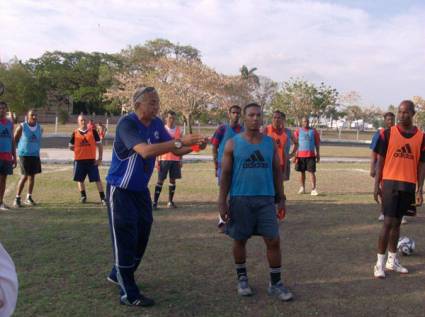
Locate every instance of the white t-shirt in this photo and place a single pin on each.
(8, 284)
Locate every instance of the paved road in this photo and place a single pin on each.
(65, 156)
(61, 140)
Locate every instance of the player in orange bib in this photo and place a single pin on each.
(84, 142)
(277, 133)
(400, 172)
(169, 164)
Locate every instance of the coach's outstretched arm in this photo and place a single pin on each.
(225, 180)
(152, 150)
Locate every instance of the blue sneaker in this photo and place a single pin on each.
(280, 291)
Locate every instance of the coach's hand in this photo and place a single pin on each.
(98, 162)
(223, 208)
(318, 158)
(14, 162)
(192, 139)
(377, 194)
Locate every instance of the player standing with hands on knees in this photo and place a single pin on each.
(139, 138)
(400, 172)
(252, 176)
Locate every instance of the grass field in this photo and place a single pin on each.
(62, 252)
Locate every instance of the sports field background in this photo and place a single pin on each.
(62, 252)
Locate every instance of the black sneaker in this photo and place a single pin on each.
(171, 205)
(29, 201)
(17, 202)
(83, 199)
(143, 301)
(155, 206)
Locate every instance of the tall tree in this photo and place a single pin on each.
(185, 86)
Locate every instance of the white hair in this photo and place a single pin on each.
(140, 92)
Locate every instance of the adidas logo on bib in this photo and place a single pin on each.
(404, 152)
(255, 160)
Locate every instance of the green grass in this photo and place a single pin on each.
(62, 252)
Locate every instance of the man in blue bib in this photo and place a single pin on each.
(7, 151)
(223, 133)
(28, 138)
(252, 176)
(139, 138)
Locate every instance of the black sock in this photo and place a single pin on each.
(83, 193)
(102, 195)
(275, 275)
(240, 270)
(171, 191)
(158, 189)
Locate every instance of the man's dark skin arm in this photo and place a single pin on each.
(215, 156)
(278, 179)
(377, 192)
(295, 146)
(18, 134)
(225, 180)
(421, 178)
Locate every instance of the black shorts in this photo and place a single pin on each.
(86, 168)
(6, 167)
(306, 164)
(30, 165)
(397, 203)
(169, 167)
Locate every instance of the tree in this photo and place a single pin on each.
(82, 77)
(22, 90)
(299, 98)
(185, 86)
(249, 75)
(420, 110)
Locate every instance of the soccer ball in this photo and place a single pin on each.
(406, 246)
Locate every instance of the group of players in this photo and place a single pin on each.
(251, 164)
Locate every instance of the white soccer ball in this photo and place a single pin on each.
(405, 245)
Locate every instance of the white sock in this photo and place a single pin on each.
(391, 256)
(381, 259)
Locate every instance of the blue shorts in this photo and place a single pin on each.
(252, 215)
(6, 167)
(86, 168)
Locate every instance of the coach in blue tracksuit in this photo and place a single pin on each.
(140, 136)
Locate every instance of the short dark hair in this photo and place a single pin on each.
(408, 103)
(234, 107)
(280, 113)
(4, 103)
(171, 113)
(389, 114)
(250, 105)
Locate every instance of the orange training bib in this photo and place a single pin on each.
(402, 158)
(84, 146)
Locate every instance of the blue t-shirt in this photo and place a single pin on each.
(130, 170)
(374, 141)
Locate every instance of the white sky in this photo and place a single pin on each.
(374, 47)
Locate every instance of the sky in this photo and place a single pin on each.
(376, 48)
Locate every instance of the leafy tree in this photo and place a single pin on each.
(299, 98)
(420, 110)
(185, 86)
(22, 90)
